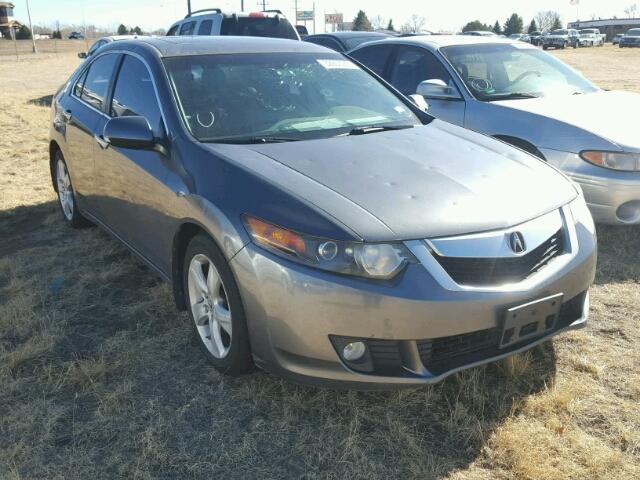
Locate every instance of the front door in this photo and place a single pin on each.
(131, 185)
(412, 65)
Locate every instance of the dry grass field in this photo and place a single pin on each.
(101, 378)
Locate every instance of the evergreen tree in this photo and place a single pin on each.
(137, 30)
(23, 33)
(122, 30)
(475, 25)
(514, 24)
(361, 22)
(390, 27)
(557, 23)
(533, 26)
(497, 29)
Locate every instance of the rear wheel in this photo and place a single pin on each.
(215, 307)
(66, 194)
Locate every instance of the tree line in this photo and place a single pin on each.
(543, 21)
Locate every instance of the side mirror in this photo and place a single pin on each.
(129, 132)
(419, 101)
(82, 55)
(437, 89)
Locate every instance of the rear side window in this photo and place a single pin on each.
(374, 57)
(173, 30)
(134, 93)
(276, 27)
(205, 27)
(96, 83)
(187, 28)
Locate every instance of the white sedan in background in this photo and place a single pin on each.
(517, 93)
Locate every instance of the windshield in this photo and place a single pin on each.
(560, 32)
(291, 96)
(276, 27)
(587, 34)
(495, 71)
(634, 32)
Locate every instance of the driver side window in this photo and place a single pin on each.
(134, 94)
(414, 65)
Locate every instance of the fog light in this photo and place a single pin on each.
(354, 351)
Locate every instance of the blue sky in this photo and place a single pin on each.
(449, 15)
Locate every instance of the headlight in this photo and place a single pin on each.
(614, 160)
(371, 260)
(581, 213)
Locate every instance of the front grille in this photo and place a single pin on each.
(498, 271)
(440, 355)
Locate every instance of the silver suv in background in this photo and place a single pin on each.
(561, 38)
(213, 21)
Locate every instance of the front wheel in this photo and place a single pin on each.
(66, 194)
(215, 307)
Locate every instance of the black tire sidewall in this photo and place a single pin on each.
(77, 220)
(238, 360)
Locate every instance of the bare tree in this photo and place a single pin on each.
(547, 19)
(631, 10)
(415, 24)
(378, 22)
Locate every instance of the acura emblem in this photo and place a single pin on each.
(516, 242)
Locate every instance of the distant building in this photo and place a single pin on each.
(611, 26)
(7, 22)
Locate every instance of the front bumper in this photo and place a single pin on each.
(293, 311)
(613, 196)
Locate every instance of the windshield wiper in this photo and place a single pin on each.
(257, 139)
(374, 129)
(509, 96)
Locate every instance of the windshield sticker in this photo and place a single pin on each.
(207, 121)
(337, 64)
(325, 123)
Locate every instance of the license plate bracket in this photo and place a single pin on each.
(530, 320)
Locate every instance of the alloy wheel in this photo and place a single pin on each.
(65, 192)
(209, 306)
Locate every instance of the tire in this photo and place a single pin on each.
(66, 195)
(215, 307)
(544, 47)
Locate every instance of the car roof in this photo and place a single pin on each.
(351, 34)
(221, 44)
(438, 41)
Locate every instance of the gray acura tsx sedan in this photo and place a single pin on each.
(311, 219)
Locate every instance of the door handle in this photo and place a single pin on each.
(66, 115)
(101, 141)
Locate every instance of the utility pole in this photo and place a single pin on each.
(33, 38)
(242, 5)
(295, 3)
(189, 7)
(264, 4)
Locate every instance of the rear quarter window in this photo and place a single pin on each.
(275, 27)
(173, 30)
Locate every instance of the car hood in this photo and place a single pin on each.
(427, 181)
(598, 113)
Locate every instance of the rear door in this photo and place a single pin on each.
(131, 187)
(83, 113)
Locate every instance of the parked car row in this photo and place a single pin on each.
(385, 217)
